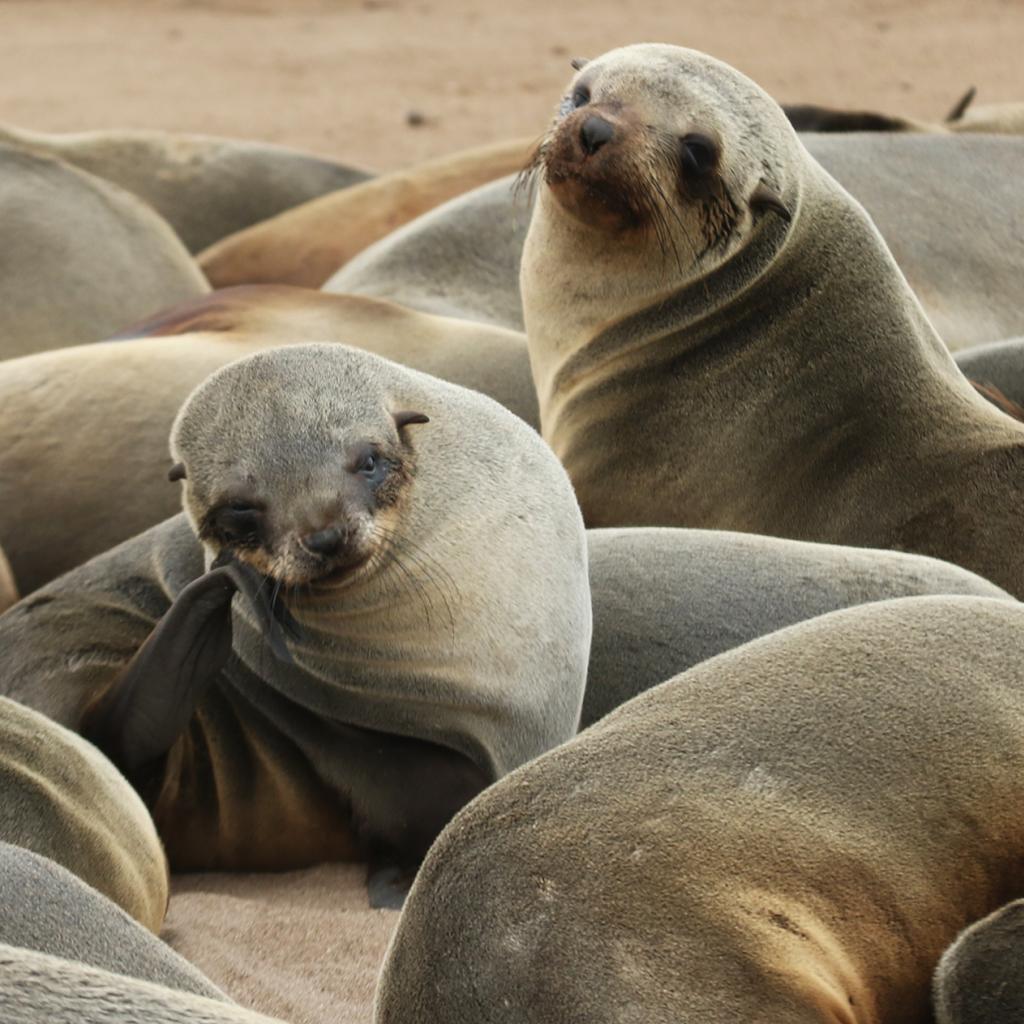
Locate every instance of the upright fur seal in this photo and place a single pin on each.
(49, 910)
(62, 799)
(203, 186)
(791, 832)
(413, 623)
(92, 421)
(81, 258)
(308, 244)
(708, 309)
(665, 600)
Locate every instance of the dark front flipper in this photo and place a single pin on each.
(140, 717)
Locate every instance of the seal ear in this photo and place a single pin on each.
(961, 105)
(579, 63)
(176, 472)
(765, 198)
(403, 419)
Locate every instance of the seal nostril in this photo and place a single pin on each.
(323, 542)
(594, 133)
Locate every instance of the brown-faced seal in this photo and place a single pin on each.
(81, 258)
(708, 309)
(203, 186)
(413, 618)
(308, 244)
(63, 800)
(792, 831)
(92, 421)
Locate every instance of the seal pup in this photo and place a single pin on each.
(92, 421)
(50, 910)
(205, 187)
(389, 536)
(793, 831)
(707, 308)
(666, 599)
(8, 588)
(62, 799)
(36, 988)
(980, 978)
(81, 258)
(306, 245)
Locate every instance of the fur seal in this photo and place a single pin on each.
(111, 406)
(666, 599)
(413, 529)
(203, 186)
(792, 831)
(463, 258)
(62, 799)
(36, 988)
(8, 588)
(306, 245)
(81, 258)
(706, 307)
(980, 978)
(999, 364)
(49, 910)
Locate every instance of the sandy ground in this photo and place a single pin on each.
(342, 77)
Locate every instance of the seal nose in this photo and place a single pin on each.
(594, 133)
(323, 542)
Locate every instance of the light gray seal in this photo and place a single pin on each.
(707, 309)
(666, 599)
(81, 258)
(413, 617)
(203, 186)
(791, 832)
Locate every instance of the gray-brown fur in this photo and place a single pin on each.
(39, 989)
(62, 799)
(665, 600)
(791, 832)
(980, 978)
(80, 257)
(786, 382)
(204, 187)
(92, 421)
(466, 634)
(49, 910)
(463, 259)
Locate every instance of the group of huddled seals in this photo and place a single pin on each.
(376, 605)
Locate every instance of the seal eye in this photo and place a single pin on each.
(580, 96)
(236, 524)
(699, 155)
(367, 464)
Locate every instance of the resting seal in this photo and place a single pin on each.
(100, 413)
(707, 308)
(665, 600)
(308, 244)
(64, 800)
(792, 831)
(203, 186)
(399, 533)
(49, 910)
(81, 258)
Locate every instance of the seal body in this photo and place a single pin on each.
(93, 420)
(308, 244)
(665, 600)
(63, 800)
(792, 831)
(404, 690)
(203, 186)
(81, 258)
(751, 346)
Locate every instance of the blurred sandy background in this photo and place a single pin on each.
(341, 77)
